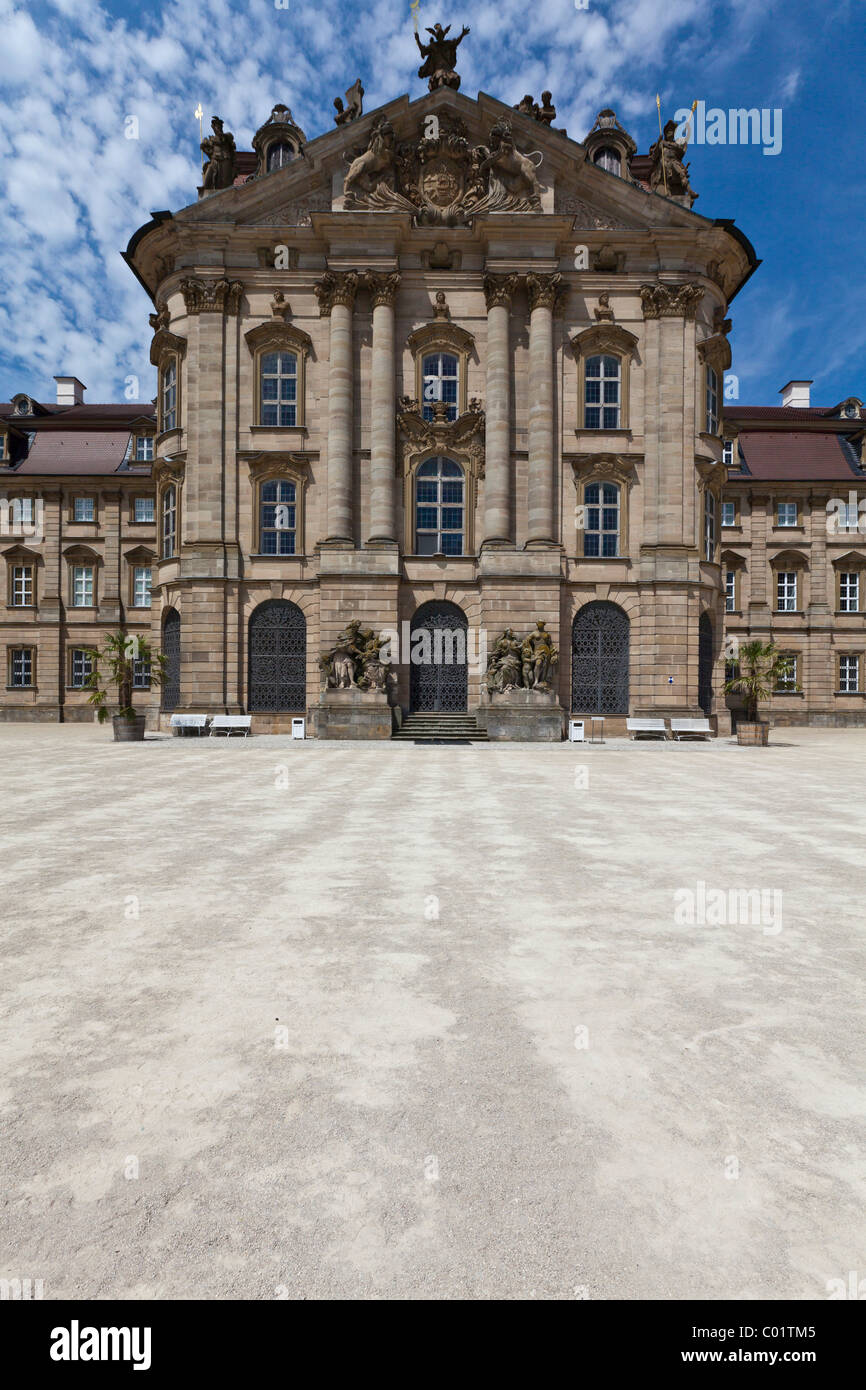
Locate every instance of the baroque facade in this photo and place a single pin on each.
(440, 368)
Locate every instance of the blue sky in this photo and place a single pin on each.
(74, 188)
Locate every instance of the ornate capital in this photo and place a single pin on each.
(461, 439)
(499, 289)
(383, 288)
(336, 287)
(211, 296)
(546, 291)
(670, 301)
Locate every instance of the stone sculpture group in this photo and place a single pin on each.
(521, 665)
(355, 662)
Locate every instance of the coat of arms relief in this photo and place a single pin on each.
(440, 178)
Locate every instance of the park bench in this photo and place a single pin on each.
(229, 724)
(646, 728)
(189, 723)
(691, 728)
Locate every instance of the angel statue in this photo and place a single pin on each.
(440, 57)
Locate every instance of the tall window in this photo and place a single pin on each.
(141, 581)
(82, 586)
(849, 674)
(22, 511)
(140, 674)
(729, 513)
(278, 518)
(169, 521)
(603, 393)
(169, 395)
(709, 526)
(786, 591)
(786, 513)
(80, 667)
(439, 508)
(440, 372)
(143, 509)
(84, 509)
(279, 154)
(712, 400)
(143, 448)
(21, 666)
(728, 453)
(22, 586)
(788, 682)
(278, 374)
(849, 592)
(608, 158)
(730, 591)
(601, 519)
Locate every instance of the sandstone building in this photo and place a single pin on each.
(441, 366)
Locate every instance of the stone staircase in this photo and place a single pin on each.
(439, 727)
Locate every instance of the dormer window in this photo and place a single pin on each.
(608, 158)
(142, 449)
(279, 155)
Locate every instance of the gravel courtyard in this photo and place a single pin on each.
(378, 1021)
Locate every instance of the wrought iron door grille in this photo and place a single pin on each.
(440, 684)
(277, 658)
(171, 652)
(599, 660)
(705, 664)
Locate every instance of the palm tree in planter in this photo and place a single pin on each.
(761, 667)
(114, 665)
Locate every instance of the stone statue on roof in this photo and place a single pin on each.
(219, 149)
(354, 104)
(440, 57)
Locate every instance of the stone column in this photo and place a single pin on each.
(383, 426)
(336, 295)
(545, 295)
(498, 292)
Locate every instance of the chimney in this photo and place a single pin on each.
(796, 394)
(70, 391)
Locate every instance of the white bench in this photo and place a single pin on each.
(649, 728)
(186, 723)
(691, 728)
(229, 724)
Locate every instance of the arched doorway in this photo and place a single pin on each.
(171, 652)
(277, 658)
(599, 660)
(438, 679)
(705, 663)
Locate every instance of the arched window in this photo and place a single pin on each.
(168, 395)
(601, 519)
(171, 652)
(599, 660)
(278, 378)
(441, 378)
(278, 518)
(169, 521)
(603, 398)
(280, 153)
(439, 508)
(608, 158)
(277, 658)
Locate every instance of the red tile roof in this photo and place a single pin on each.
(68, 452)
(794, 456)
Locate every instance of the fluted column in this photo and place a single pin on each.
(498, 292)
(383, 428)
(545, 294)
(336, 295)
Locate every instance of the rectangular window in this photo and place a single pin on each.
(730, 591)
(440, 372)
(141, 586)
(786, 591)
(849, 592)
(82, 586)
(729, 513)
(84, 509)
(712, 401)
(2, 446)
(22, 586)
(788, 683)
(278, 518)
(80, 667)
(709, 526)
(849, 675)
(169, 395)
(22, 511)
(140, 675)
(786, 514)
(143, 509)
(279, 388)
(602, 399)
(728, 453)
(601, 520)
(169, 521)
(21, 666)
(143, 448)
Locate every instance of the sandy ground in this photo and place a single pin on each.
(377, 1021)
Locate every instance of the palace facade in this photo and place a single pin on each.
(441, 367)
